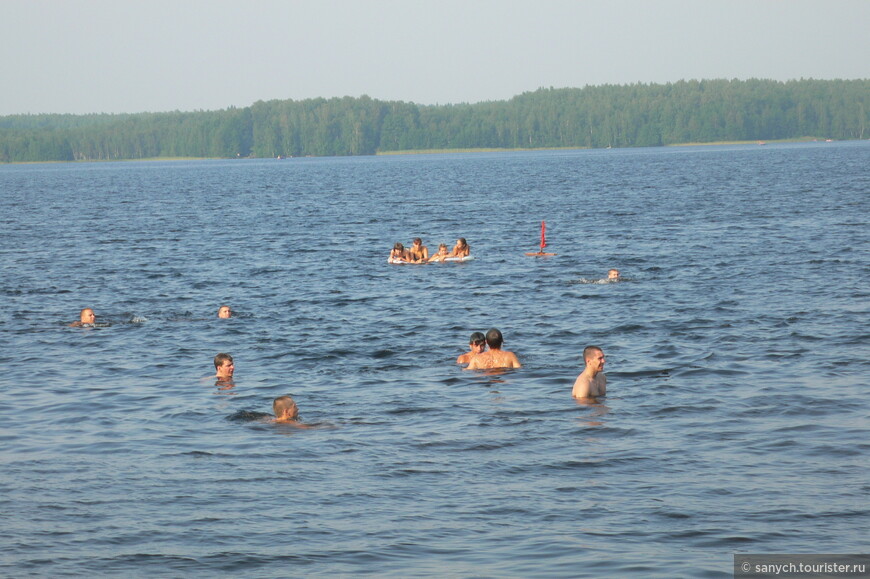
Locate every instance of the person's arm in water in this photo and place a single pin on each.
(581, 387)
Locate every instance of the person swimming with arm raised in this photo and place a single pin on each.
(495, 357)
(592, 382)
(477, 343)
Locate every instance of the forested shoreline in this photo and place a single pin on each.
(637, 115)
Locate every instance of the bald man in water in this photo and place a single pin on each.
(495, 357)
(591, 382)
(86, 318)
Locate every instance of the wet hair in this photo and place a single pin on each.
(494, 338)
(220, 359)
(418, 241)
(587, 351)
(477, 338)
(399, 246)
(462, 241)
(282, 404)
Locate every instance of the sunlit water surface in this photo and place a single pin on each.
(737, 364)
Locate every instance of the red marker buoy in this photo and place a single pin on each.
(543, 242)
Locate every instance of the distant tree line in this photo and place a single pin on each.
(637, 115)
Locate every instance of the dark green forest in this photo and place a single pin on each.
(637, 115)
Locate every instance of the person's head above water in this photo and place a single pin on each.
(594, 356)
(477, 342)
(223, 365)
(399, 247)
(613, 274)
(418, 241)
(87, 316)
(225, 312)
(494, 339)
(285, 408)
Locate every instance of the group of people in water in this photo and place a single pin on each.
(285, 408)
(419, 253)
(485, 351)
(590, 384)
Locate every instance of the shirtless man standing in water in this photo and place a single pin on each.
(495, 357)
(591, 382)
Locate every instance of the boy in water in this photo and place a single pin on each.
(418, 253)
(225, 312)
(613, 275)
(224, 367)
(286, 412)
(398, 254)
(591, 382)
(441, 255)
(477, 343)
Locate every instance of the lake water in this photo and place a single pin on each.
(737, 364)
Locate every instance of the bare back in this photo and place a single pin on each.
(494, 358)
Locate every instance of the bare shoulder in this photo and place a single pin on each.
(581, 387)
(482, 360)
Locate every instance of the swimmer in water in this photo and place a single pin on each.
(477, 343)
(399, 253)
(613, 275)
(224, 367)
(461, 249)
(86, 318)
(286, 412)
(441, 255)
(418, 253)
(591, 382)
(495, 357)
(225, 312)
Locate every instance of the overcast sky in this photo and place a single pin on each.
(93, 56)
